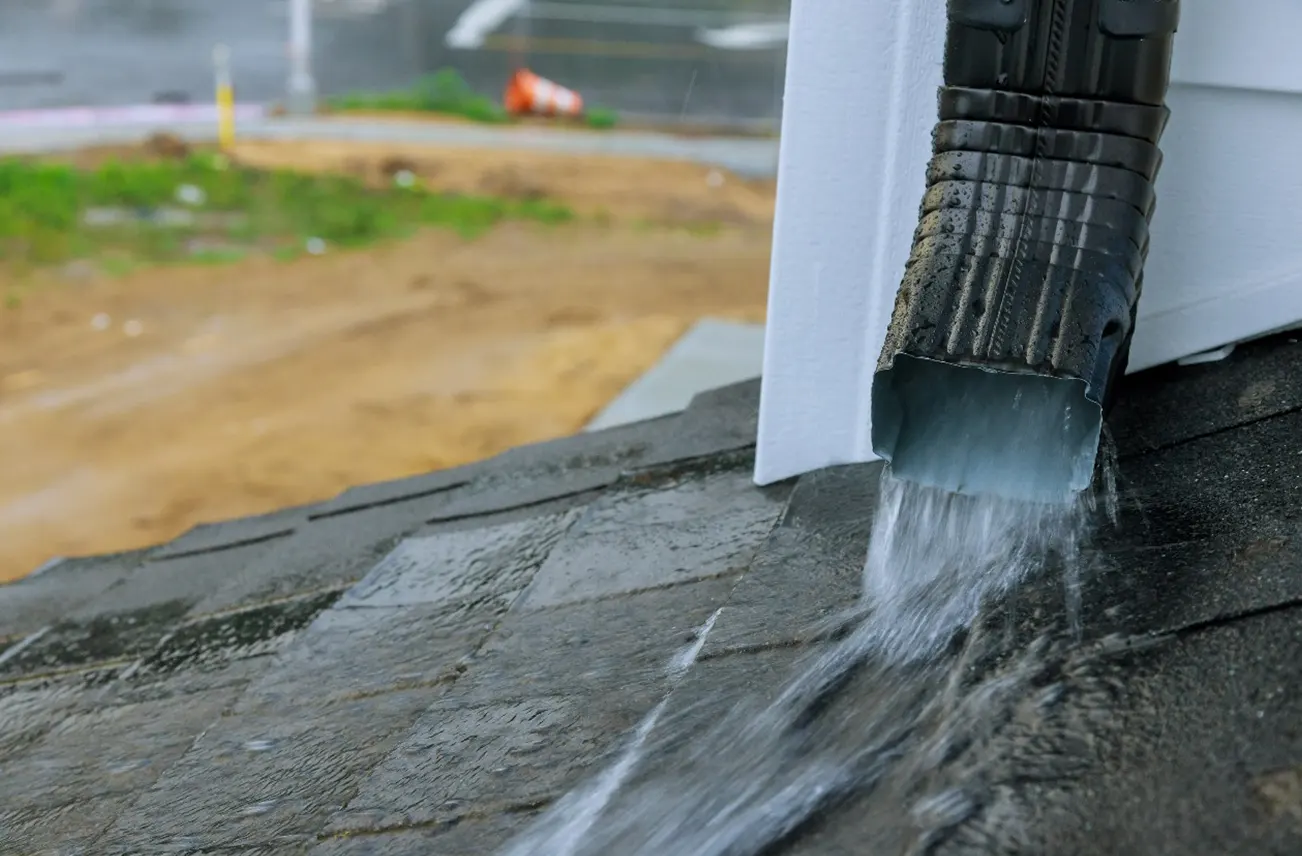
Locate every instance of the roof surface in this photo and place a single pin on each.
(423, 666)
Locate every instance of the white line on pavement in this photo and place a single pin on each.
(745, 36)
(622, 14)
(479, 19)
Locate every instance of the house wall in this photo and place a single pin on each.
(1226, 256)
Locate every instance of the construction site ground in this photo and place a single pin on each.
(756, 129)
(133, 407)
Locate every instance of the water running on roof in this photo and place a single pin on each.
(903, 672)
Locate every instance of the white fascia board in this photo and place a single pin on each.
(857, 116)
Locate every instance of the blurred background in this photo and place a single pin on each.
(254, 252)
(714, 60)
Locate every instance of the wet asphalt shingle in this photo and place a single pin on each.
(809, 569)
(48, 597)
(1202, 754)
(1214, 529)
(69, 828)
(640, 539)
(584, 655)
(179, 582)
(455, 838)
(419, 667)
(222, 535)
(1169, 405)
(323, 553)
(302, 737)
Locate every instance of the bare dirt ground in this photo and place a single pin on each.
(551, 123)
(215, 392)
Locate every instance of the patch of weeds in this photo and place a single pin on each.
(121, 214)
(447, 93)
(695, 228)
(444, 92)
(118, 265)
(244, 232)
(217, 256)
(13, 301)
(544, 212)
(601, 119)
(707, 229)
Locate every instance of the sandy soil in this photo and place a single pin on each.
(608, 189)
(215, 392)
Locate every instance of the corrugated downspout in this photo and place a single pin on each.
(1018, 300)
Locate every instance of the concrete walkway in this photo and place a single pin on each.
(745, 156)
(712, 354)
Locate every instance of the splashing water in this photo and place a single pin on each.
(935, 557)
(561, 831)
(750, 780)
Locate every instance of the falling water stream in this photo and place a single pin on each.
(745, 782)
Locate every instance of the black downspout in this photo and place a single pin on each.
(1017, 306)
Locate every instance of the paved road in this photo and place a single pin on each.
(655, 57)
(745, 156)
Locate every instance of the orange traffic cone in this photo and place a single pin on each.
(528, 93)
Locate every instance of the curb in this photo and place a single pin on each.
(128, 115)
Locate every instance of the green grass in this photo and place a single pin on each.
(601, 119)
(43, 207)
(447, 93)
(444, 92)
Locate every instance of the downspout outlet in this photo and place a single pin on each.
(1016, 311)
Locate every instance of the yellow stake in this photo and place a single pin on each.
(221, 57)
